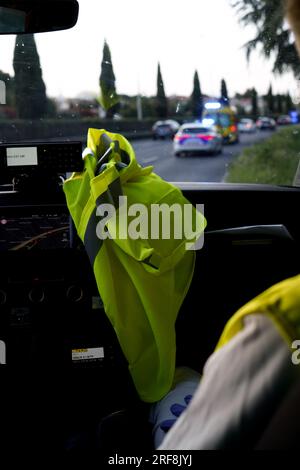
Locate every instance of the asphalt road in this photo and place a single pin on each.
(192, 168)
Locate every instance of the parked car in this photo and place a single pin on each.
(247, 125)
(266, 123)
(284, 120)
(165, 129)
(197, 138)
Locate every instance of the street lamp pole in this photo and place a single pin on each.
(139, 107)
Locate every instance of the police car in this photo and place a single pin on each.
(197, 138)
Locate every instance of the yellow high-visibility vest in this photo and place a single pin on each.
(281, 303)
(142, 282)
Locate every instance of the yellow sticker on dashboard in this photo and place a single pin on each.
(88, 354)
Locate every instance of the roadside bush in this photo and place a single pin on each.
(274, 161)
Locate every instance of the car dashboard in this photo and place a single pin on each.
(58, 338)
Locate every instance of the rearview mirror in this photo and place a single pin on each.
(37, 16)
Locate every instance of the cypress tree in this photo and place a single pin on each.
(270, 100)
(197, 98)
(30, 90)
(254, 103)
(288, 103)
(224, 93)
(161, 99)
(279, 104)
(108, 95)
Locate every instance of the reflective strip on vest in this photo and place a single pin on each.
(93, 243)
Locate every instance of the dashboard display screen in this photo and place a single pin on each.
(22, 156)
(34, 231)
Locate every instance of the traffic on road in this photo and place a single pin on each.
(192, 167)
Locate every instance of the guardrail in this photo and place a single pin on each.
(61, 129)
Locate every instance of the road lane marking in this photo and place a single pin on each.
(150, 159)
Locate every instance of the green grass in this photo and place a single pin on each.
(273, 161)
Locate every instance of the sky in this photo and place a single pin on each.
(184, 36)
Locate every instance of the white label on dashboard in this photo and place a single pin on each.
(2, 352)
(22, 156)
(297, 177)
(89, 354)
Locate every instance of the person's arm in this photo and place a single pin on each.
(242, 385)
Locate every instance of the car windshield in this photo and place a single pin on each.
(195, 130)
(219, 118)
(224, 120)
(52, 85)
